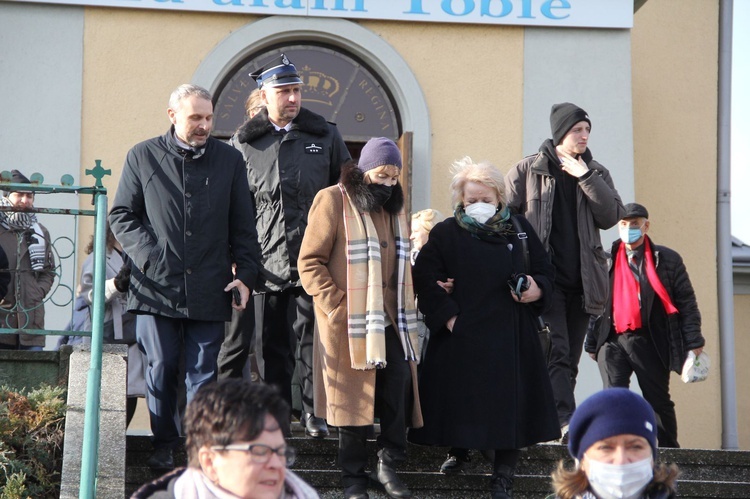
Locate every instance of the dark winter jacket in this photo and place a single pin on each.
(531, 189)
(184, 221)
(674, 335)
(485, 384)
(285, 173)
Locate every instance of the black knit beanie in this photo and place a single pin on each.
(563, 117)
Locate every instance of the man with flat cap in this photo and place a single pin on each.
(291, 153)
(568, 197)
(651, 321)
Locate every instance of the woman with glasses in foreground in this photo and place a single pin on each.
(235, 447)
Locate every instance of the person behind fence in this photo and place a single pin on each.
(568, 197)
(31, 264)
(484, 382)
(354, 262)
(119, 324)
(182, 214)
(613, 442)
(651, 322)
(235, 448)
(291, 153)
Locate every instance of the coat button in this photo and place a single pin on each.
(384, 284)
(188, 195)
(188, 233)
(384, 244)
(189, 271)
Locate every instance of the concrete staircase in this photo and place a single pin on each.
(705, 473)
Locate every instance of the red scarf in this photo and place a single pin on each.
(626, 309)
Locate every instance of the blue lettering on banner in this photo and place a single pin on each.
(359, 6)
(447, 6)
(562, 13)
(548, 6)
(416, 8)
(489, 8)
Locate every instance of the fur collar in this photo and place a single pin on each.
(306, 121)
(354, 180)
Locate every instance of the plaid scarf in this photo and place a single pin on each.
(26, 222)
(364, 290)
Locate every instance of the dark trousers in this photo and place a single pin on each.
(392, 401)
(162, 339)
(238, 337)
(287, 320)
(629, 353)
(568, 322)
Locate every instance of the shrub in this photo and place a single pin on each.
(31, 439)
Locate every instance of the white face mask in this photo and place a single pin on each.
(620, 481)
(481, 212)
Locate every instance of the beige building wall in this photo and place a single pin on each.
(742, 366)
(674, 126)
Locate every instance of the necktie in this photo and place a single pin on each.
(634, 267)
(633, 264)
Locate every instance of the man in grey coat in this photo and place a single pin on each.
(568, 197)
(182, 214)
(291, 153)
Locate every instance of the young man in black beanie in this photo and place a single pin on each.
(568, 197)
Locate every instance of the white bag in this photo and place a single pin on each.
(695, 368)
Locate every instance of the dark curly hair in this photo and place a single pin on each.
(228, 411)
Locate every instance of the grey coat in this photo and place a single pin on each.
(531, 188)
(23, 304)
(285, 174)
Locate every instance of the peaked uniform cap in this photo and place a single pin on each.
(282, 72)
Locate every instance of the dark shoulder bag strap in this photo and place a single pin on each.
(523, 238)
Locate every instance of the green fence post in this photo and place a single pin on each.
(90, 451)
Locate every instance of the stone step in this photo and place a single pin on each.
(705, 473)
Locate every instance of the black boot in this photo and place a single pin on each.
(394, 487)
(502, 482)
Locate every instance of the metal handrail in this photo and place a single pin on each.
(90, 450)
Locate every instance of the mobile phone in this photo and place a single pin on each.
(518, 283)
(236, 295)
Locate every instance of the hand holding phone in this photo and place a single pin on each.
(236, 296)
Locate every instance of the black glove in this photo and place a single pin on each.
(122, 279)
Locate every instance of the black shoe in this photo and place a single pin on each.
(387, 477)
(161, 459)
(454, 464)
(501, 486)
(356, 492)
(314, 426)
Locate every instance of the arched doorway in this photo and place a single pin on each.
(385, 65)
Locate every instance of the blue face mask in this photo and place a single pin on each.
(630, 235)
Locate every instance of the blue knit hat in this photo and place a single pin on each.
(610, 412)
(379, 151)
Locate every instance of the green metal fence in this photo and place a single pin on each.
(90, 451)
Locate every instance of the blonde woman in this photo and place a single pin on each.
(483, 383)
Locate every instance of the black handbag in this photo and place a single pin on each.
(542, 327)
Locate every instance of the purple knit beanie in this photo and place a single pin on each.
(610, 412)
(377, 152)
